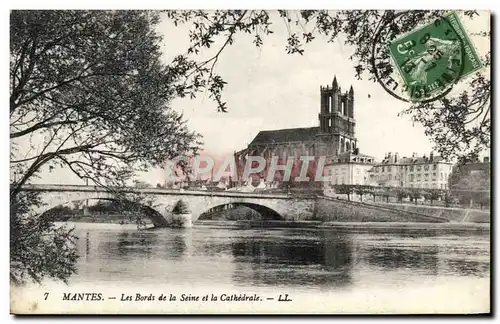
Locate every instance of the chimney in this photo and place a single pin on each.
(414, 155)
(431, 156)
(486, 159)
(396, 157)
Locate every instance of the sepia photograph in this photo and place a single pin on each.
(250, 162)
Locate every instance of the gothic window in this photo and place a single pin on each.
(330, 104)
(329, 122)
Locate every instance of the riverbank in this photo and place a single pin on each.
(483, 227)
(451, 213)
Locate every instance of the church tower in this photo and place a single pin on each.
(336, 120)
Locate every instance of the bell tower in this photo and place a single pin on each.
(336, 119)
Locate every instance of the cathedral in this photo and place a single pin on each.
(334, 136)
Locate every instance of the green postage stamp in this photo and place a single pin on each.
(434, 57)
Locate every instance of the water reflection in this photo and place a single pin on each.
(421, 259)
(320, 259)
(468, 267)
(323, 261)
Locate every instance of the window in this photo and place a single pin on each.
(411, 177)
(330, 122)
(434, 167)
(395, 178)
(383, 169)
(426, 176)
(442, 178)
(411, 168)
(426, 167)
(433, 174)
(418, 168)
(389, 168)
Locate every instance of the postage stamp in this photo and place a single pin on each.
(434, 57)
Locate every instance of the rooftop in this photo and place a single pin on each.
(303, 134)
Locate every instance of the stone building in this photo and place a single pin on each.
(413, 172)
(351, 168)
(335, 134)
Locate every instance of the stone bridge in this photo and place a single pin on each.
(158, 203)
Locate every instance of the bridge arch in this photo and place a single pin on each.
(156, 218)
(266, 213)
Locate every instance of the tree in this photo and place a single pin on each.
(432, 194)
(415, 194)
(361, 190)
(401, 193)
(459, 123)
(473, 187)
(38, 248)
(88, 92)
(386, 192)
(447, 198)
(344, 189)
(181, 207)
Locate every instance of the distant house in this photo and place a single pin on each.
(415, 172)
(350, 168)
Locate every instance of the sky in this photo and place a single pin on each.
(269, 89)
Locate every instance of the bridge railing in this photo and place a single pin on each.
(192, 191)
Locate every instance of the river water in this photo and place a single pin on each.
(356, 270)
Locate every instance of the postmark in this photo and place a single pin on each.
(426, 62)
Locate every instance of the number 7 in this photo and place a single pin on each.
(46, 295)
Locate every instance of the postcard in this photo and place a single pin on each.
(250, 162)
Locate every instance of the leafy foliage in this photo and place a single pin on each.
(343, 189)
(38, 248)
(401, 193)
(473, 187)
(181, 207)
(89, 92)
(362, 190)
(432, 194)
(459, 124)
